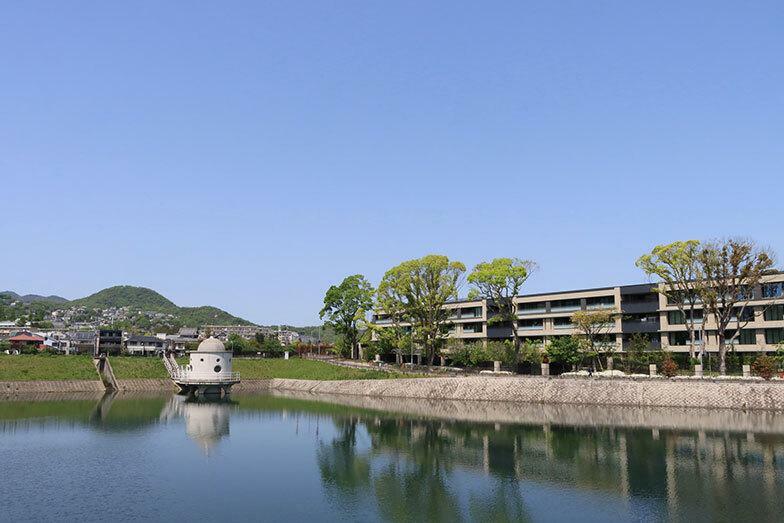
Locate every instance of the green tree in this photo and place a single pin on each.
(498, 282)
(272, 346)
(681, 281)
(732, 269)
(237, 344)
(395, 332)
(345, 306)
(565, 350)
(421, 288)
(594, 328)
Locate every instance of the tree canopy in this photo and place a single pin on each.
(418, 290)
(499, 281)
(345, 306)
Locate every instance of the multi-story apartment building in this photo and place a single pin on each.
(223, 331)
(762, 323)
(640, 309)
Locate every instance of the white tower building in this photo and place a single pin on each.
(208, 370)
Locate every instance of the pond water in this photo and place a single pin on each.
(308, 458)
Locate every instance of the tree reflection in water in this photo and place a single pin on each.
(426, 465)
(410, 466)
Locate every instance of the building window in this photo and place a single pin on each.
(774, 336)
(674, 298)
(775, 313)
(678, 318)
(773, 290)
(746, 315)
(602, 302)
(471, 312)
(530, 325)
(746, 337)
(472, 328)
(562, 323)
(536, 307)
(678, 338)
(564, 305)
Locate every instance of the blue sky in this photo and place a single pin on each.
(250, 154)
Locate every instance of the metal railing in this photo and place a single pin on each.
(184, 375)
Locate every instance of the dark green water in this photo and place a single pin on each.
(274, 458)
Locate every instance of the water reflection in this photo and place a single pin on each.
(206, 419)
(413, 459)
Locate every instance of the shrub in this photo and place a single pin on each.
(502, 351)
(764, 367)
(531, 352)
(668, 367)
(565, 350)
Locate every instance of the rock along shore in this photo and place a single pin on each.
(712, 394)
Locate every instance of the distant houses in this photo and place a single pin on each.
(137, 345)
(26, 340)
(115, 341)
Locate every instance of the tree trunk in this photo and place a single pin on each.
(722, 355)
(691, 343)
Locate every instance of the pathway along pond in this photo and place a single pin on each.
(299, 458)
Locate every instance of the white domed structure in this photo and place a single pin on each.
(211, 345)
(208, 370)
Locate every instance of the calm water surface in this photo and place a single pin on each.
(283, 458)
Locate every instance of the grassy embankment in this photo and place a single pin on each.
(50, 368)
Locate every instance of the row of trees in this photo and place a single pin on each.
(260, 343)
(716, 277)
(414, 293)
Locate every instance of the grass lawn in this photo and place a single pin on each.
(49, 368)
(46, 368)
(130, 367)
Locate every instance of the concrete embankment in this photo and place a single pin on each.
(33, 387)
(657, 418)
(729, 394)
(744, 395)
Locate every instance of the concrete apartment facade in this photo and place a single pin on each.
(640, 309)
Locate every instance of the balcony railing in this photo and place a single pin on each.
(530, 327)
(565, 308)
(599, 306)
(563, 326)
(538, 310)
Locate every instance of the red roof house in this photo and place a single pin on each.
(26, 339)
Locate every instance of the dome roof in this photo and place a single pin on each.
(211, 345)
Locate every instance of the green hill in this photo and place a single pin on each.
(32, 298)
(143, 299)
(127, 296)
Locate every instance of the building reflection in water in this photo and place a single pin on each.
(455, 461)
(206, 419)
(410, 465)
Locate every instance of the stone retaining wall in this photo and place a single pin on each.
(643, 393)
(27, 387)
(147, 384)
(744, 395)
(664, 418)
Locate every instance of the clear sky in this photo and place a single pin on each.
(249, 154)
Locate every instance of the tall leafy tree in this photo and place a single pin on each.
(397, 333)
(419, 289)
(681, 281)
(593, 327)
(499, 281)
(732, 269)
(345, 306)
